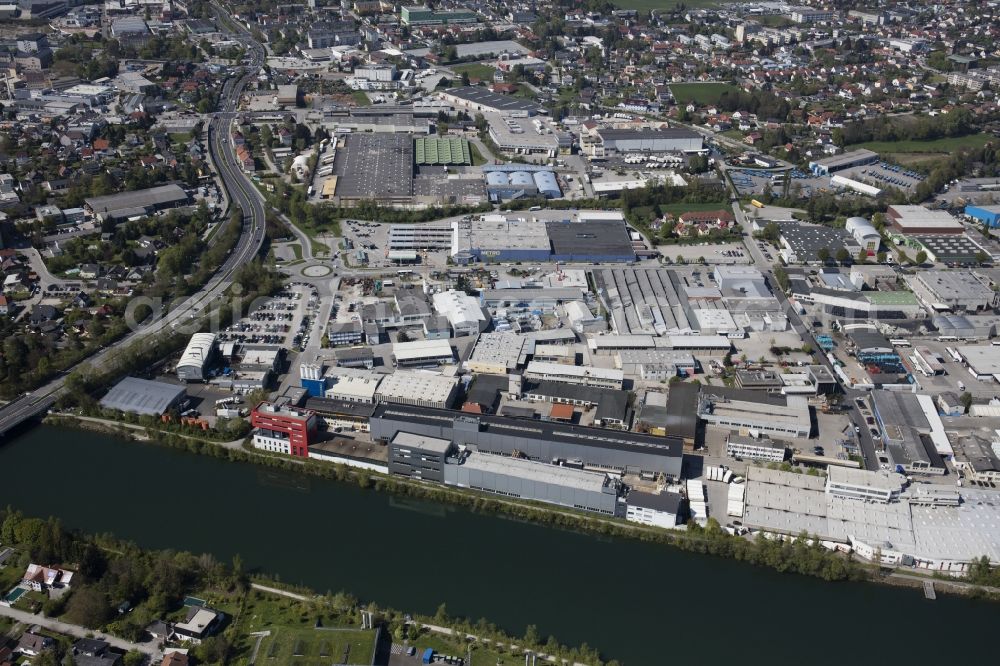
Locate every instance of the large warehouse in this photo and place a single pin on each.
(502, 238)
(142, 396)
(524, 182)
(593, 240)
(906, 219)
(196, 358)
(669, 140)
(137, 203)
(544, 441)
(849, 160)
(374, 167)
(478, 98)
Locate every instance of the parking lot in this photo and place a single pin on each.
(756, 181)
(281, 322)
(885, 175)
(725, 253)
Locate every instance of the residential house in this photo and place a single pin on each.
(160, 630)
(175, 659)
(199, 623)
(33, 644)
(38, 577)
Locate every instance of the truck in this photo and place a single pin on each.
(428, 657)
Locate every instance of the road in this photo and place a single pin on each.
(850, 395)
(241, 192)
(77, 631)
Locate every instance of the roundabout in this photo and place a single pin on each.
(316, 270)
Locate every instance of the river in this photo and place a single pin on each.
(639, 603)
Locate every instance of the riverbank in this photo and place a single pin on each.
(803, 556)
(307, 532)
(106, 568)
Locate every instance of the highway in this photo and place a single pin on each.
(242, 193)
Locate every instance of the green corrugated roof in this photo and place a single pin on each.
(891, 297)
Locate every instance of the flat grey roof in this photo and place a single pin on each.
(671, 447)
(154, 196)
(142, 396)
(424, 443)
(592, 238)
(648, 133)
(665, 501)
(486, 97)
(847, 158)
(375, 166)
(806, 240)
(538, 472)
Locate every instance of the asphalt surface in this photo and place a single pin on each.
(77, 631)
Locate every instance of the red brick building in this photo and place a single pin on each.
(283, 429)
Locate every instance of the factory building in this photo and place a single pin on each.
(755, 448)
(420, 389)
(283, 429)
(422, 353)
(830, 165)
(662, 510)
(484, 100)
(575, 374)
(138, 203)
(592, 240)
(144, 397)
(503, 184)
(669, 140)
(935, 528)
(537, 481)
(912, 432)
(499, 237)
(908, 220)
(194, 362)
(352, 388)
(988, 215)
(543, 441)
(420, 237)
(464, 313)
(418, 456)
(864, 233)
(497, 353)
(758, 414)
(956, 291)
(521, 300)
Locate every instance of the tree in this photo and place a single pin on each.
(921, 257)
(981, 257)
(824, 254)
(862, 256)
(881, 257)
(88, 606)
(966, 400)
(843, 255)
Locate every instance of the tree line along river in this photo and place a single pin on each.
(636, 602)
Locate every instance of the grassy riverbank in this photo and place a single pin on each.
(289, 621)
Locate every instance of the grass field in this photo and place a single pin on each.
(360, 98)
(946, 145)
(477, 157)
(475, 70)
(700, 93)
(316, 647)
